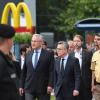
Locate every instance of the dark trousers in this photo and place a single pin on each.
(11, 95)
(62, 96)
(34, 96)
(85, 93)
(22, 97)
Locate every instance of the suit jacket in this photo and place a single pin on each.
(71, 78)
(37, 80)
(86, 74)
(17, 68)
(8, 79)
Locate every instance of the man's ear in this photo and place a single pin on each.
(82, 42)
(9, 39)
(66, 50)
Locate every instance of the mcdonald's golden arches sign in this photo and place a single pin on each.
(16, 10)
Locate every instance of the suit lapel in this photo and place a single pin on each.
(58, 69)
(30, 57)
(72, 54)
(67, 64)
(58, 65)
(83, 57)
(41, 57)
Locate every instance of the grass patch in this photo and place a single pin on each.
(52, 98)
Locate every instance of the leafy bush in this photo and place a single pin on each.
(22, 37)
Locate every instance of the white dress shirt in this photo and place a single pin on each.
(79, 56)
(22, 62)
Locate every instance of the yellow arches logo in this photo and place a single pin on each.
(16, 10)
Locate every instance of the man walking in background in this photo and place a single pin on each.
(84, 57)
(71, 46)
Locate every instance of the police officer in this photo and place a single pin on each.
(95, 67)
(8, 76)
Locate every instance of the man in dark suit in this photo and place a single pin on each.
(37, 74)
(84, 57)
(66, 74)
(8, 75)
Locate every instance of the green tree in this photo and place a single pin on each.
(74, 11)
(47, 10)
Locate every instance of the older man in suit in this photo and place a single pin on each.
(66, 74)
(37, 74)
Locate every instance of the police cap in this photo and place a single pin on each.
(6, 31)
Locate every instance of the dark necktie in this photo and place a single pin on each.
(62, 66)
(36, 58)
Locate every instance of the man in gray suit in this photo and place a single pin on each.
(66, 74)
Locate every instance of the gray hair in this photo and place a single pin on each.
(40, 37)
(70, 42)
(66, 46)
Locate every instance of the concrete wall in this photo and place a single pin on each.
(32, 7)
